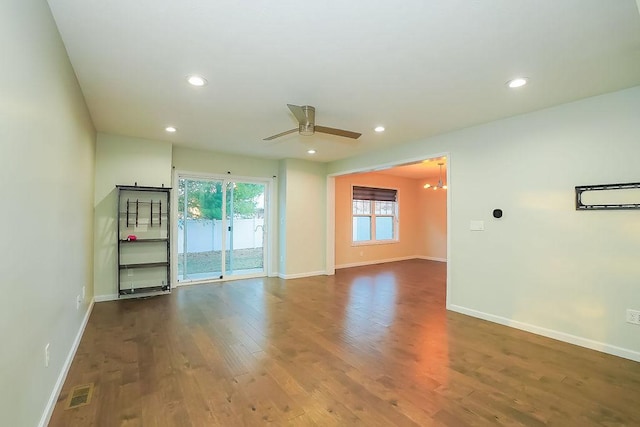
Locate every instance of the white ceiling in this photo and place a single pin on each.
(418, 67)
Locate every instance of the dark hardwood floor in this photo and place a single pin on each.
(371, 346)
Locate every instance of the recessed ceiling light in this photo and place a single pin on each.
(379, 129)
(195, 80)
(312, 151)
(519, 82)
(170, 129)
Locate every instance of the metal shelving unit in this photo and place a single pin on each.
(144, 247)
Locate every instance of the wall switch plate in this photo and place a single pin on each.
(633, 316)
(46, 355)
(129, 272)
(84, 288)
(476, 225)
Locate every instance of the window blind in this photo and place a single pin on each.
(377, 194)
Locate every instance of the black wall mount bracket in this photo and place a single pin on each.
(580, 206)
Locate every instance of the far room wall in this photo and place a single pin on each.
(347, 253)
(301, 184)
(422, 221)
(431, 228)
(222, 165)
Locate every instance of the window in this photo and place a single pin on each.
(375, 214)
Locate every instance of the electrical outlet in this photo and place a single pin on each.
(633, 316)
(46, 355)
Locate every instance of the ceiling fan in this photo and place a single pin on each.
(306, 116)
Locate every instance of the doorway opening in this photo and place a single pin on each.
(221, 228)
(422, 213)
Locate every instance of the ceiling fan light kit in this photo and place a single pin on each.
(306, 116)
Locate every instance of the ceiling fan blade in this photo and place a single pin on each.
(339, 132)
(299, 113)
(281, 134)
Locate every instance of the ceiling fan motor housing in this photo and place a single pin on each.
(308, 128)
(306, 117)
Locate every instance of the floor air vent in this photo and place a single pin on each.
(80, 395)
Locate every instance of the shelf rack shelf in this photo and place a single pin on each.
(144, 263)
(146, 290)
(144, 240)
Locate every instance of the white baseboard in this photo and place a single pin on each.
(48, 410)
(431, 258)
(300, 275)
(550, 333)
(377, 261)
(103, 298)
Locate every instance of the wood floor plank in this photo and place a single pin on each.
(370, 346)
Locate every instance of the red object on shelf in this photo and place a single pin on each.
(131, 237)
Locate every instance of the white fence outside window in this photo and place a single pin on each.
(205, 235)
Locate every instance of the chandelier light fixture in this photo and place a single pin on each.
(440, 183)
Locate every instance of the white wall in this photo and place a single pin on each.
(121, 161)
(46, 168)
(544, 266)
(303, 186)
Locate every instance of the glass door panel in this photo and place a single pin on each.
(200, 229)
(245, 202)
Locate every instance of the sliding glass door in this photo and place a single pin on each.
(220, 228)
(246, 228)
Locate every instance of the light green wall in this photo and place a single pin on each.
(121, 161)
(299, 185)
(190, 160)
(282, 217)
(544, 266)
(47, 145)
(303, 217)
